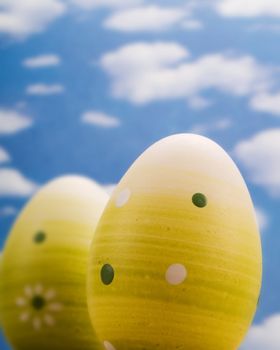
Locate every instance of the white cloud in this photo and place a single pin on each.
(132, 57)
(262, 219)
(260, 155)
(268, 103)
(47, 60)
(23, 18)
(145, 72)
(42, 89)
(100, 119)
(21, 104)
(192, 24)
(7, 211)
(198, 102)
(13, 183)
(12, 122)
(206, 128)
(4, 155)
(264, 336)
(248, 8)
(90, 4)
(145, 19)
(264, 27)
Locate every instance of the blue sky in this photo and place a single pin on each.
(86, 86)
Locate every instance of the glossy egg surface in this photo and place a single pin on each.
(176, 261)
(43, 268)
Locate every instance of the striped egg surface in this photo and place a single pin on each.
(43, 269)
(176, 259)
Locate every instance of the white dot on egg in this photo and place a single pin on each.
(108, 345)
(176, 274)
(123, 197)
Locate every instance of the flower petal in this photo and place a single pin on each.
(37, 323)
(25, 316)
(38, 289)
(20, 302)
(49, 320)
(28, 291)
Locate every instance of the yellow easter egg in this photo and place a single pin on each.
(175, 262)
(43, 269)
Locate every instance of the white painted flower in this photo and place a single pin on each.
(38, 305)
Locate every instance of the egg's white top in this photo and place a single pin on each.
(70, 198)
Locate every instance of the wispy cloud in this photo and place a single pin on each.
(146, 19)
(100, 119)
(192, 24)
(265, 27)
(109, 188)
(267, 103)
(12, 122)
(7, 211)
(260, 155)
(199, 102)
(22, 18)
(146, 72)
(206, 128)
(14, 184)
(90, 4)
(264, 336)
(4, 155)
(42, 89)
(42, 61)
(262, 218)
(248, 8)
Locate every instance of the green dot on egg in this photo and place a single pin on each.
(39, 237)
(199, 200)
(107, 274)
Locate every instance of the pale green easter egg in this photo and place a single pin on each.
(43, 269)
(175, 262)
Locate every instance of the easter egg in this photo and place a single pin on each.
(176, 262)
(43, 269)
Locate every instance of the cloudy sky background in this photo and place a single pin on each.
(87, 85)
